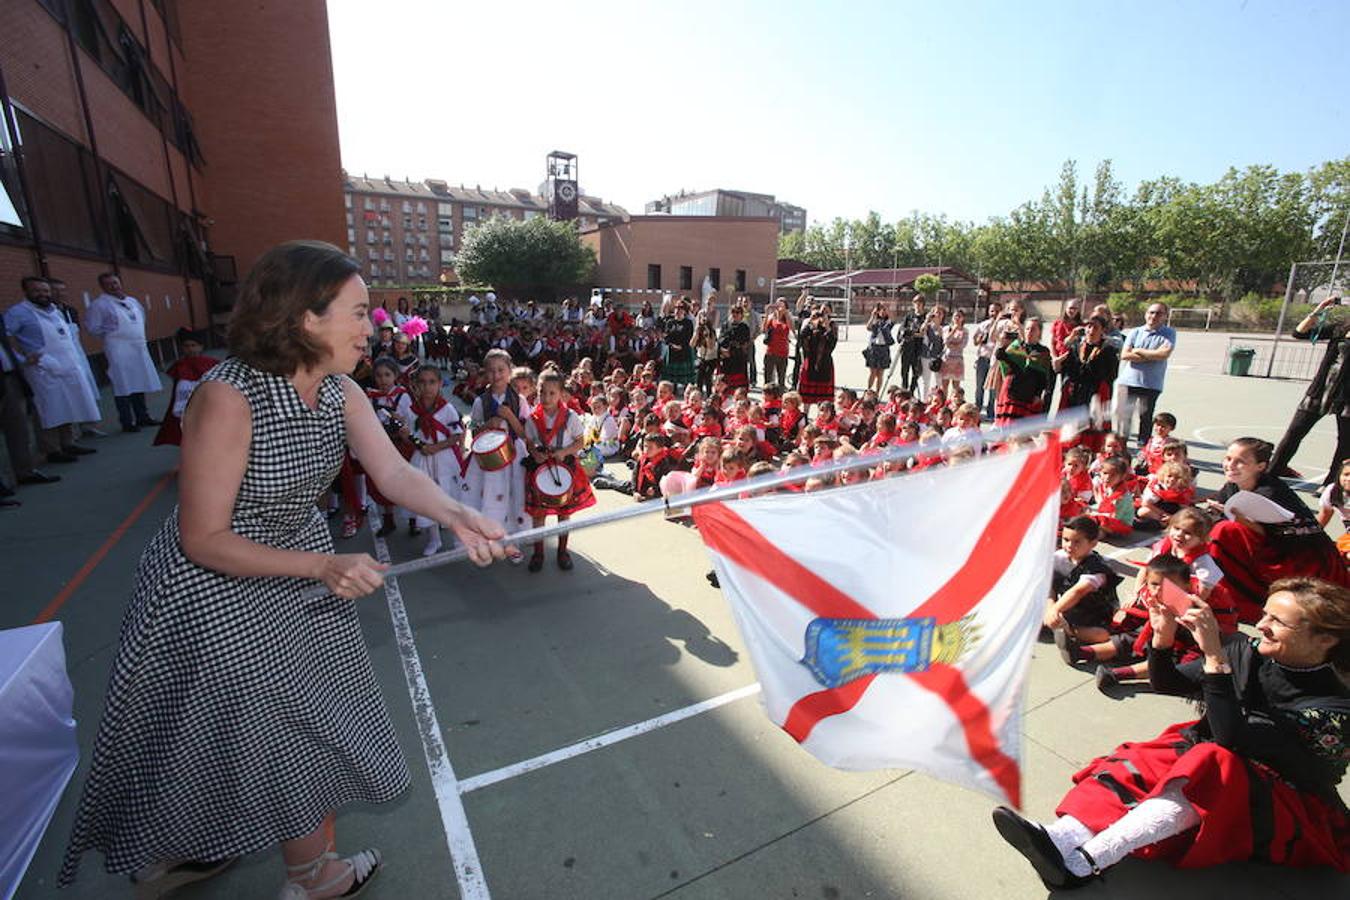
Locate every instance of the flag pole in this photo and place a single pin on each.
(1075, 418)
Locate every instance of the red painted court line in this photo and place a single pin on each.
(51, 609)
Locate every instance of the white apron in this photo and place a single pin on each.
(61, 391)
(129, 365)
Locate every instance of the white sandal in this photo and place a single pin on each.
(158, 879)
(364, 865)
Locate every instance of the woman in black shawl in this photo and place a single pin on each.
(816, 340)
(677, 365)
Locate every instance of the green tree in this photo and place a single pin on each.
(538, 255)
(928, 285)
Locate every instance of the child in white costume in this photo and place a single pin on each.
(439, 437)
(499, 494)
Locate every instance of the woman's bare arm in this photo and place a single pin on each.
(217, 432)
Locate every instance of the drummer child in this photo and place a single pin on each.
(555, 435)
(439, 438)
(499, 493)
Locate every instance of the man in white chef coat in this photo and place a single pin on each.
(49, 352)
(120, 321)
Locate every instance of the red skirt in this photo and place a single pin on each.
(170, 431)
(815, 390)
(1246, 811)
(347, 475)
(1008, 409)
(1251, 563)
(582, 495)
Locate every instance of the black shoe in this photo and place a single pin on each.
(564, 560)
(1032, 841)
(6, 490)
(413, 530)
(386, 529)
(77, 450)
(6, 503)
(147, 423)
(130, 429)
(61, 457)
(38, 477)
(712, 579)
(1107, 681)
(536, 562)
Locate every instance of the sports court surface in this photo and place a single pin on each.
(596, 734)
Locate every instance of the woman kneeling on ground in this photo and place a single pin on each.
(1254, 778)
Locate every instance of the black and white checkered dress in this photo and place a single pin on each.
(238, 716)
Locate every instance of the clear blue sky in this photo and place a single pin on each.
(966, 108)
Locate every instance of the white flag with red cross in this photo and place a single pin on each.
(891, 622)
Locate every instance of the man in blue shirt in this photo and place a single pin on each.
(1143, 368)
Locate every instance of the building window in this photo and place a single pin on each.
(62, 185)
(13, 218)
(388, 255)
(374, 269)
(715, 278)
(407, 206)
(653, 277)
(351, 235)
(686, 278)
(469, 212)
(445, 209)
(347, 198)
(447, 239)
(407, 221)
(370, 204)
(370, 237)
(422, 239)
(350, 220)
(740, 281)
(384, 206)
(447, 257)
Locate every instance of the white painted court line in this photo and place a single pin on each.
(458, 837)
(603, 740)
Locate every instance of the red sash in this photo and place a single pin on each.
(431, 427)
(546, 434)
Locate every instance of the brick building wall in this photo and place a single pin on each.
(624, 251)
(260, 80)
(264, 116)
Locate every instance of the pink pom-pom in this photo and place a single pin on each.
(414, 326)
(379, 316)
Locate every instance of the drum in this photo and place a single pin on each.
(494, 450)
(552, 484)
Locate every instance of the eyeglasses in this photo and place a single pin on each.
(1275, 620)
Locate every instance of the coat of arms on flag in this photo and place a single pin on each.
(891, 622)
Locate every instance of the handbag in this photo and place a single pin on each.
(935, 364)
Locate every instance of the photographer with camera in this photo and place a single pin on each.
(817, 339)
(877, 354)
(1326, 394)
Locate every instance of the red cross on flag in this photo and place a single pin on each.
(891, 622)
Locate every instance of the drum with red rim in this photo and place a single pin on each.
(552, 484)
(494, 450)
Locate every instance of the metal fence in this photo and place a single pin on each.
(1271, 358)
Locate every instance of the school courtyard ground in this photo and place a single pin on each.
(596, 734)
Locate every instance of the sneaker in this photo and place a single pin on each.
(96, 432)
(77, 450)
(350, 525)
(564, 560)
(536, 562)
(7, 503)
(38, 477)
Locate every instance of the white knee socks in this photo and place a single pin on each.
(1154, 820)
(433, 540)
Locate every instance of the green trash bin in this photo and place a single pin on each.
(1240, 360)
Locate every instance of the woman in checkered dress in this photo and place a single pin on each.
(239, 716)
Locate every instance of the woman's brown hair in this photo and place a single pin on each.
(266, 328)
